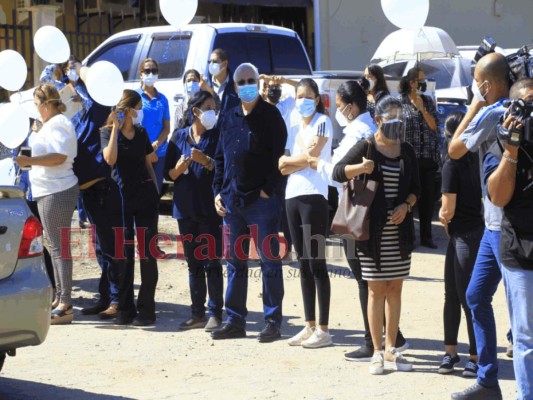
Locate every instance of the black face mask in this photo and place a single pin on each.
(274, 94)
(422, 86)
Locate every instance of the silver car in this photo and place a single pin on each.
(25, 290)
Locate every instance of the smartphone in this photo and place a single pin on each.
(25, 151)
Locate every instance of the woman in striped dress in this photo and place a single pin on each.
(386, 256)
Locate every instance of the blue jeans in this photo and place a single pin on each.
(483, 284)
(519, 296)
(199, 232)
(262, 220)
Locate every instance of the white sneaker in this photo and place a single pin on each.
(304, 334)
(376, 364)
(395, 361)
(318, 339)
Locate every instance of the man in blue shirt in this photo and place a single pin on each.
(509, 177)
(247, 187)
(476, 133)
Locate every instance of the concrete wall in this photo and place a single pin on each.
(351, 30)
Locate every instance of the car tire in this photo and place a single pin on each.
(2, 359)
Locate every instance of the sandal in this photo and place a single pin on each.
(62, 317)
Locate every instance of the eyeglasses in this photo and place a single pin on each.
(250, 81)
(150, 71)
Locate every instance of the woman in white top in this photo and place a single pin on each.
(307, 210)
(352, 113)
(55, 188)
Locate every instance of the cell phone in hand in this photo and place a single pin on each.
(25, 151)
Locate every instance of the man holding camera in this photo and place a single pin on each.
(476, 133)
(509, 176)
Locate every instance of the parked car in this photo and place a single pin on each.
(274, 50)
(25, 290)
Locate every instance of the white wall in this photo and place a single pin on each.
(352, 29)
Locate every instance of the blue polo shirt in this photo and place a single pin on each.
(193, 195)
(155, 111)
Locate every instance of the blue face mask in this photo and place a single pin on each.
(192, 87)
(248, 93)
(306, 107)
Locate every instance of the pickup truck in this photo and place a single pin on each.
(273, 50)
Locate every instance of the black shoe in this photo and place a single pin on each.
(269, 333)
(448, 363)
(429, 243)
(362, 354)
(228, 331)
(401, 343)
(479, 392)
(124, 318)
(93, 310)
(143, 321)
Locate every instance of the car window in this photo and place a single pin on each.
(271, 54)
(170, 55)
(448, 73)
(119, 53)
(288, 57)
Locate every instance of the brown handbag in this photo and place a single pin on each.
(353, 214)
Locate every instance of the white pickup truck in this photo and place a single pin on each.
(274, 50)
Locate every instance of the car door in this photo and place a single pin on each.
(13, 214)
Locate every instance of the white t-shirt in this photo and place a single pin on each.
(363, 127)
(56, 136)
(308, 181)
(285, 107)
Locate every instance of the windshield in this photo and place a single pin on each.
(448, 73)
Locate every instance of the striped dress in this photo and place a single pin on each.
(392, 266)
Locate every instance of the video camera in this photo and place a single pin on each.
(523, 113)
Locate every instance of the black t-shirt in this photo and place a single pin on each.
(461, 177)
(130, 170)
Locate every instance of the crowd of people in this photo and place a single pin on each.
(260, 162)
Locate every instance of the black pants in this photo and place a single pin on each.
(427, 169)
(355, 266)
(460, 259)
(103, 207)
(308, 220)
(202, 244)
(140, 221)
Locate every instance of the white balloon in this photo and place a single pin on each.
(105, 83)
(178, 15)
(406, 15)
(51, 44)
(14, 125)
(14, 70)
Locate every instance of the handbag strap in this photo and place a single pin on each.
(368, 156)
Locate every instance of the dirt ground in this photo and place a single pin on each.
(92, 359)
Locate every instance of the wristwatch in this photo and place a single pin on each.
(409, 206)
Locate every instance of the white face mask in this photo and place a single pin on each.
(208, 119)
(371, 84)
(476, 92)
(139, 118)
(72, 75)
(150, 79)
(214, 69)
(341, 119)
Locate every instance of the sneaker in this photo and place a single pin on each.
(193, 323)
(479, 392)
(319, 339)
(395, 361)
(304, 334)
(376, 364)
(401, 343)
(363, 353)
(509, 352)
(110, 312)
(212, 324)
(448, 363)
(470, 370)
